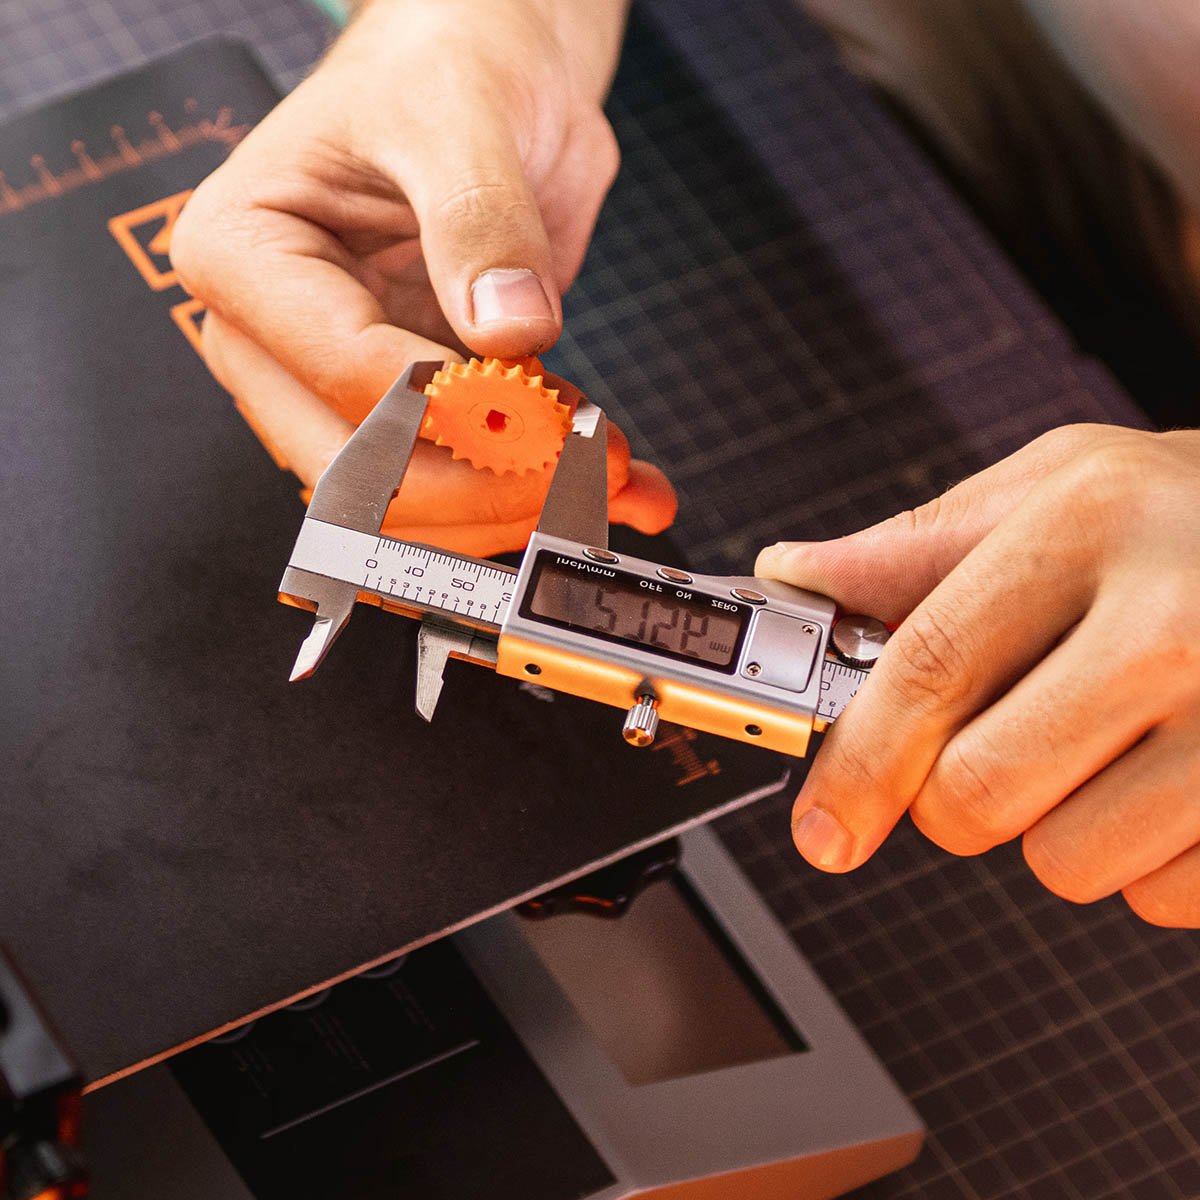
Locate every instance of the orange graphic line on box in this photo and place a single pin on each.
(187, 315)
(124, 155)
(122, 228)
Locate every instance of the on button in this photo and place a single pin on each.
(671, 575)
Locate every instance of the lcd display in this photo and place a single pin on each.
(625, 608)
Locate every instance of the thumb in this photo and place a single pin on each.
(484, 243)
(887, 570)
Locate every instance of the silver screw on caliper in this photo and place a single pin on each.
(859, 641)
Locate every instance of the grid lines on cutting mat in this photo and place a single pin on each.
(52, 47)
(809, 338)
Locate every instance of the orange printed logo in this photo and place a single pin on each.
(145, 235)
(677, 741)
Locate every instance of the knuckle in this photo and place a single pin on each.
(922, 518)
(849, 761)
(1060, 870)
(1112, 476)
(962, 808)
(926, 661)
(605, 151)
(188, 244)
(1157, 657)
(1066, 441)
(1167, 625)
(198, 231)
(482, 202)
(208, 239)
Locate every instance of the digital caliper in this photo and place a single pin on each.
(752, 659)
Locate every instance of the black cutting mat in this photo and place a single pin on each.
(787, 310)
(50, 47)
(169, 799)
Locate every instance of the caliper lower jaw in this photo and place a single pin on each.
(331, 599)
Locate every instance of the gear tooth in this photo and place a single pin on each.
(455, 390)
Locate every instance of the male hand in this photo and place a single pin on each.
(430, 188)
(1044, 680)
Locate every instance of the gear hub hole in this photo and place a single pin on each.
(496, 421)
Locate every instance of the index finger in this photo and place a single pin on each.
(292, 285)
(471, 508)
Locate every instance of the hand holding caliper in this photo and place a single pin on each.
(386, 213)
(745, 658)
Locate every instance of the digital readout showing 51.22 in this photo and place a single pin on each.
(642, 612)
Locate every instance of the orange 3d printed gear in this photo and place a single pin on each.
(496, 415)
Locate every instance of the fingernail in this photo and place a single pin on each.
(823, 840)
(503, 294)
(773, 558)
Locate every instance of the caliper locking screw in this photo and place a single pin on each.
(641, 722)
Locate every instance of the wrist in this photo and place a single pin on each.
(588, 34)
(593, 31)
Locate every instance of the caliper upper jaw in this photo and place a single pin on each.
(576, 506)
(354, 492)
(356, 488)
